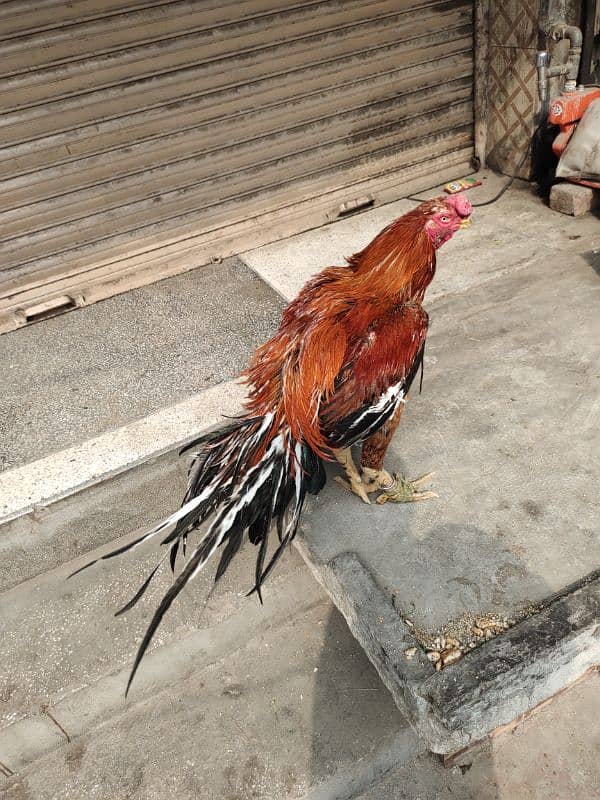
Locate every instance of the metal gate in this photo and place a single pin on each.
(138, 140)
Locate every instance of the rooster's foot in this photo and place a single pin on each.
(354, 483)
(395, 488)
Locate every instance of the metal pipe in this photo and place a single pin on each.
(570, 70)
(575, 37)
(542, 61)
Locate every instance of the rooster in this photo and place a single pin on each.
(335, 374)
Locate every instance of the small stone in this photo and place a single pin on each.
(489, 633)
(452, 643)
(409, 622)
(451, 657)
(438, 665)
(410, 652)
(477, 630)
(433, 656)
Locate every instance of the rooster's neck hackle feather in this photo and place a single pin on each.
(398, 264)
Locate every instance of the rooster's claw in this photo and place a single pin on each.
(405, 491)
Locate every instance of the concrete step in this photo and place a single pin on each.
(70, 378)
(78, 524)
(292, 706)
(61, 635)
(298, 712)
(234, 699)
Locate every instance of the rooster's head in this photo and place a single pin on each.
(445, 215)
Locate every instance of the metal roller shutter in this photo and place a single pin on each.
(138, 140)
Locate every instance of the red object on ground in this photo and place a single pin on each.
(566, 111)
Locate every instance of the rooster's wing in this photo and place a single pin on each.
(376, 376)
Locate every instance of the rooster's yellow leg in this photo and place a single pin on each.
(354, 483)
(394, 488)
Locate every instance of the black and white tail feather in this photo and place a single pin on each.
(226, 481)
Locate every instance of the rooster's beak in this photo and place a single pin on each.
(464, 223)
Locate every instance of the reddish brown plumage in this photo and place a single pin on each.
(350, 330)
(335, 374)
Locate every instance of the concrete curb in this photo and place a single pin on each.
(490, 687)
(61, 474)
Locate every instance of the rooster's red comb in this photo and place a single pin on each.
(461, 205)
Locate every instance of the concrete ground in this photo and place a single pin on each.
(552, 755)
(74, 376)
(236, 701)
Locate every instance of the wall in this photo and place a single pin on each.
(516, 31)
(512, 84)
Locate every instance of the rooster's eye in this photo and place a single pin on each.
(445, 219)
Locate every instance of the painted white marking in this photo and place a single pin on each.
(69, 471)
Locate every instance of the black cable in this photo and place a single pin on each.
(506, 186)
(504, 189)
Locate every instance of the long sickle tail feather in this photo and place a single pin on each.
(245, 477)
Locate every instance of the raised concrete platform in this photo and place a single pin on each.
(508, 421)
